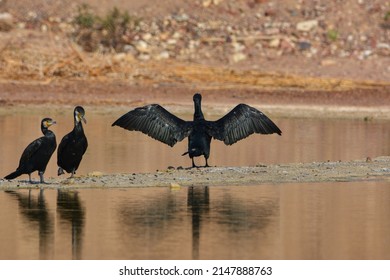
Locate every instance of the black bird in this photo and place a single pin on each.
(73, 145)
(163, 126)
(37, 154)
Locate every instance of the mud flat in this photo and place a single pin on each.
(357, 170)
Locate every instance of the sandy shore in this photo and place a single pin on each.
(359, 170)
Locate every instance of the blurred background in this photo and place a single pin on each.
(55, 39)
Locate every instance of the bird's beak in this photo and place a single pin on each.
(81, 118)
(50, 123)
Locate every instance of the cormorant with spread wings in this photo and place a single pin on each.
(163, 126)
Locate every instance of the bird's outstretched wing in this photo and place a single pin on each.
(156, 122)
(241, 122)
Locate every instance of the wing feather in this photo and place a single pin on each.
(156, 122)
(241, 122)
(30, 151)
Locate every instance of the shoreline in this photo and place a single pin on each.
(314, 172)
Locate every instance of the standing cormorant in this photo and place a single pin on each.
(37, 154)
(163, 126)
(73, 145)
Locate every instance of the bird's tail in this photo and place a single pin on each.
(192, 151)
(13, 175)
(60, 171)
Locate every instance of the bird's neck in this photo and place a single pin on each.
(78, 126)
(44, 130)
(198, 115)
(47, 132)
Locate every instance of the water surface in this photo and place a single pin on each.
(287, 221)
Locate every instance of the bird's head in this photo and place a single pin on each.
(79, 114)
(197, 97)
(47, 122)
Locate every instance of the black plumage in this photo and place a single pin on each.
(73, 145)
(37, 154)
(163, 126)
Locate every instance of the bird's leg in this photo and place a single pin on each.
(73, 172)
(193, 163)
(29, 178)
(207, 165)
(41, 177)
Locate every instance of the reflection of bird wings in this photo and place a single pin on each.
(31, 150)
(241, 122)
(156, 122)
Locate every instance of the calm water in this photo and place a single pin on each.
(288, 221)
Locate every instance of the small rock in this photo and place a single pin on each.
(147, 36)
(6, 22)
(303, 45)
(383, 46)
(271, 31)
(238, 47)
(328, 62)
(270, 12)
(171, 41)
(144, 57)
(274, 43)
(237, 57)
(181, 17)
(175, 186)
(206, 3)
(6, 17)
(142, 46)
(364, 54)
(95, 174)
(306, 26)
(122, 57)
(163, 55)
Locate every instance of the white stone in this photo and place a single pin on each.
(308, 25)
(237, 57)
(274, 43)
(163, 55)
(142, 46)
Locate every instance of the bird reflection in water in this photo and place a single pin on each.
(35, 211)
(198, 201)
(70, 209)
